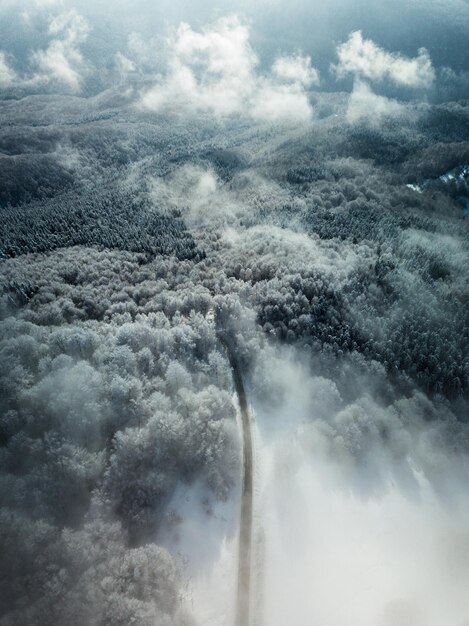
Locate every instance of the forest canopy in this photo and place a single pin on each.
(214, 190)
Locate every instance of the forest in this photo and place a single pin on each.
(128, 235)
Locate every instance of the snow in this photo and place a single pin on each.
(202, 533)
(334, 556)
(323, 551)
(205, 542)
(416, 188)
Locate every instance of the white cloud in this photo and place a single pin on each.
(143, 51)
(196, 189)
(275, 102)
(124, 65)
(363, 58)
(62, 60)
(199, 193)
(364, 104)
(214, 71)
(224, 49)
(296, 69)
(7, 75)
(204, 198)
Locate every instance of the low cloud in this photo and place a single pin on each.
(59, 63)
(365, 59)
(296, 69)
(196, 189)
(361, 500)
(364, 104)
(62, 60)
(123, 64)
(7, 75)
(214, 71)
(205, 199)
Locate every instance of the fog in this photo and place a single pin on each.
(334, 557)
(366, 537)
(223, 223)
(337, 551)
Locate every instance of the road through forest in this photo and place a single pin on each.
(246, 514)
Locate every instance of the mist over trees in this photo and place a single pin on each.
(100, 421)
(128, 234)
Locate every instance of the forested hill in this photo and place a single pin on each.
(121, 230)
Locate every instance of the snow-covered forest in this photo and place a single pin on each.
(187, 185)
